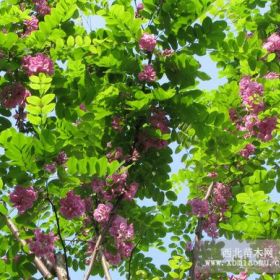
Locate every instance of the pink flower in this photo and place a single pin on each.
(39, 63)
(233, 115)
(149, 142)
(272, 43)
(31, 25)
(125, 248)
(159, 121)
(112, 259)
(148, 74)
(23, 198)
(266, 127)
(115, 155)
(200, 207)
(167, 52)
(241, 276)
(102, 213)
(42, 7)
(61, 158)
(117, 178)
(98, 185)
(221, 194)
(272, 75)
(210, 226)
(248, 150)
(14, 95)
(121, 230)
(72, 206)
(135, 155)
(251, 93)
(50, 167)
(212, 174)
(140, 6)
(131, 191)
(117, 123)
(147, 42)
(83, 107)
(43, 244)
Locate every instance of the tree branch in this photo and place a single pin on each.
(60, 238)
(39, 264)
(105, 267)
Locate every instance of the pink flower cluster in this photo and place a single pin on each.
(42, 7)
(159, 120)
(150, 142)
(123, 233)
(102, 213)
(262, 129)
(247, 151)
(30, 25)
(148, 74)
(273, 43)
(221, 196)
(148, 42)
(14, 95)
(213, 211)
(200, 208)
(219, 204)
(115, 186)
(251, 93)
(210, 225)
(72, 206)
(43, 245)
(23, 198)
(39, 63)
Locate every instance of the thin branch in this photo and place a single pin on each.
(105, 267)
(93, 256)
(39, 264)
(60, 238)
(131, 256)
(100, 239)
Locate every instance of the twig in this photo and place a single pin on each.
(60, 237)
(105, 267)
(39, 264)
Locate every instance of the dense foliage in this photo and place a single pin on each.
(88, 116)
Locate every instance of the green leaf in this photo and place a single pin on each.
(34, 119)
(34, 100)
(46, 99)
(171, 195)
(271, 57)
(161, 94)
(70, 41)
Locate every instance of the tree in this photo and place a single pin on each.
(86, 122)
